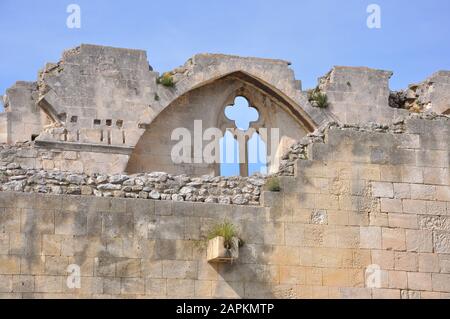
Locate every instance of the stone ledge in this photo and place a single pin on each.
(88, 147)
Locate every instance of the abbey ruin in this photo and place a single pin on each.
(88, 180)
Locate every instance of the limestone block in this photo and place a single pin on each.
(179, 269)
(127, 268)
(436, 176)
(414, 206)
(23, 283)
(436, 208)
(51, 245)
(432, 158)
(406, 261)
(429, 262)
(6, 283)
(386, 293)
(382, 189)
(111, 286)
(407, 221)
(391, 205)
(419, 241)
(370, 237)
(443, 193)
(203, 289)
(383, 258)
(178, 288)
(117, 224)
(441, 282)
(157, 288)
(9, 220)
(393, 239)
(355, 293)
(398, 279)
(132, 286)
(390, 173)
(68, 223)
(56, 265)
(425, 192)
(347, 237)
(49, 284)
(37, 221)
(25, 244)
(105, 267)
(419, 281)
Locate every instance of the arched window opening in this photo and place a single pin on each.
(229, 155)
(257, 155)
(241, 113)
(250, 152)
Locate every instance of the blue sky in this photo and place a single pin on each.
(313, 34)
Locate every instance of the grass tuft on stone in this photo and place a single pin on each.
(273, 184)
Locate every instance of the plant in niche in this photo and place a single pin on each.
(273, 184)
(317, 98)
(229, 232)
(166, 79)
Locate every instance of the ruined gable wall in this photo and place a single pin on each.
(25, 119)
(359, 196)
(207, 104)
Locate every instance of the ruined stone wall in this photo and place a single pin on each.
(359, 95)
(358, 196)
(207, 104)
(30, 156)
(25, 120)
(4, 127)
(433, 95)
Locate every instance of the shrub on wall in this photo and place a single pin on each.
(228, 231)
(166, 79)
(317, 98)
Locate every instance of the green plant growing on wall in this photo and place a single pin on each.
(228, 231)
(273, 184)
(166, 79)
(317, 98)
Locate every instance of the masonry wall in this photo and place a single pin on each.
(363, 197)
(4, 127)
(153, 152)
(359, 95)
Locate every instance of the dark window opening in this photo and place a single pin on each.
(62, 117)
(119, 123)
(74, 119)
(108, 122)
(97, 122)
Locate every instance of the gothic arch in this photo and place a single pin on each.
(209, 99)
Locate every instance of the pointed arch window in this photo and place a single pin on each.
(249, 153)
